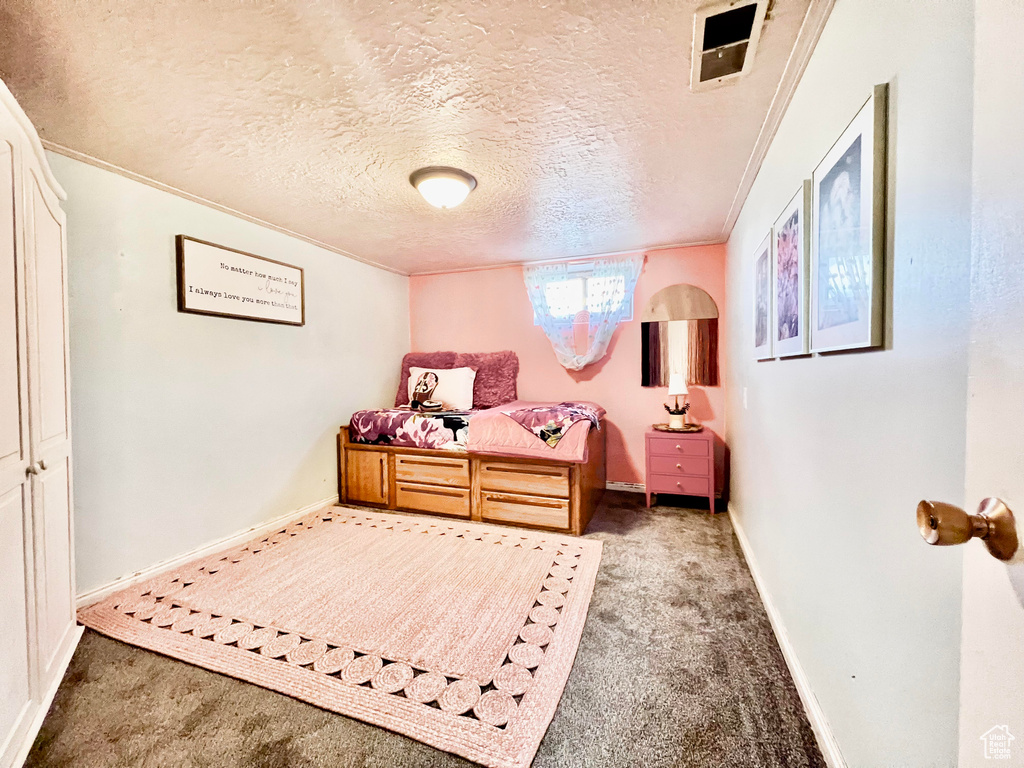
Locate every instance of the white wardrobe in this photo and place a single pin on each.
(37, 607)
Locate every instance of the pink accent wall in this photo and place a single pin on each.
(488, 310)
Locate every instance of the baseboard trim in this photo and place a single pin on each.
(628, 487)
(71, 642)
(100, 593)
(819, 723)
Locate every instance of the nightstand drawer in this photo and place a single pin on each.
(685, 486)
(678, 446)
(680, 465)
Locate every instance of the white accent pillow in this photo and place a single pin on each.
(454, 386)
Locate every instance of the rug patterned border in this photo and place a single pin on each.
(500, 723)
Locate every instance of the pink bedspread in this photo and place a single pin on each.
(492, 431)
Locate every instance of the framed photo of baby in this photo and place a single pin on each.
(848, 234)
(792, 233)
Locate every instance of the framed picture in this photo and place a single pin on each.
(763, 299)
(220, 281)
(792, 232)
(848, 234)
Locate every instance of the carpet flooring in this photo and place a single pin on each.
(677, 667)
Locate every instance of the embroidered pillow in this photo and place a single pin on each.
(454, 386)
(431, 360)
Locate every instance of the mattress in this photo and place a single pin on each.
(446, 431)
(492, 431)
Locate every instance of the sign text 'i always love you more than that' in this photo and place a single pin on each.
(215, 280)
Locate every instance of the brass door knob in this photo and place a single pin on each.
(945, 524)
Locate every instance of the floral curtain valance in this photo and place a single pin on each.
(579, 305)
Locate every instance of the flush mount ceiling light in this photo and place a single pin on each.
(442, 187)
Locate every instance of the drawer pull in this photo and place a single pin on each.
(679, 466)
(525, 471)
(431, 463)
(525, 502)
(439, 492)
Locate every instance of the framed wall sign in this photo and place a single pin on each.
(214, 280)
(848, 234)
(792, 264)
(763, 299)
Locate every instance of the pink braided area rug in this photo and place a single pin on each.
(460, 635)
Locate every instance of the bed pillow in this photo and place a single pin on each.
(454, 386)
(432, 360)
(496, 374)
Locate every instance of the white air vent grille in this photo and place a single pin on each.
(725, 39)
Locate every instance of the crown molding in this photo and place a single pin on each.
(586, 257)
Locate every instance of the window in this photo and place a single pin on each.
(568, 297)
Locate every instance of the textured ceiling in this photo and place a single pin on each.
(574, 115)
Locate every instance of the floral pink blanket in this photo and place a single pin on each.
(551, 422)
(446, 430)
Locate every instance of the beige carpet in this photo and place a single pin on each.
(460, 635)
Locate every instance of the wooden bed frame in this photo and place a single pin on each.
(533, 493)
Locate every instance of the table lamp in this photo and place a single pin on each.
(677, 412)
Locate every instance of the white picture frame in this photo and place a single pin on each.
(791, 276)
(848, 234)
(762, 299)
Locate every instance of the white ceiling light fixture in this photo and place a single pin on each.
(443, 187)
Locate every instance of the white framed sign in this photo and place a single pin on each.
(214, 280)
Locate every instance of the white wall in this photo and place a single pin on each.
(189, 428)
(831, 454)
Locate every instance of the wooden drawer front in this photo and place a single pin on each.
(432, 498)
(528, 510)
(680, 465)
(685, 486)
(524, 478)
(432, 469)
(676, 446)
(366, 476)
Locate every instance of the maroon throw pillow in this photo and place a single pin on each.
(496, 375)
(421, 360)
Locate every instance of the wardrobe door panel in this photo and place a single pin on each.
(13, 431)
(48, 385)
(16, 705)
(14, 409)
(54, 587)
(50, 316)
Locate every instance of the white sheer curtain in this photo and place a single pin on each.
(579, 310)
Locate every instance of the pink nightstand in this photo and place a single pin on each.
(682, 463)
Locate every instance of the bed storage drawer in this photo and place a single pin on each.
(532, 479)
(528, 510)
(436, 470)
(432, 498)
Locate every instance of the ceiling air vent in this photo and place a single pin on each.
(725, 39)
